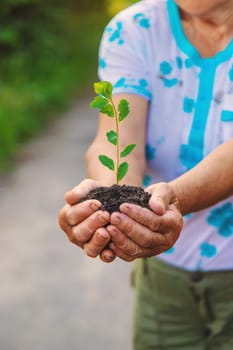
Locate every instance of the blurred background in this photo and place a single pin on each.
(51, 295)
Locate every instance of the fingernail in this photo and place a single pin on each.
(126, 208)
(112, 230)
(95, 206)
(116, 219)
(103, 217)
(103, 234)
(109, 258)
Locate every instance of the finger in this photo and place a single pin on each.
(172, 221)
(142, 216)
(130, 251)
(72, 215)
(138, 233)
(161, 196)
(121, 254)
(97, 244)
(63, 221)
(129, 257)
(107, 255)
(75, 214)
(79, 192)
(83, 232)
(122, 243)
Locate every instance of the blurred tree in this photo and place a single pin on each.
(44, 60)
(115, 6)
(88, 5)
(23, 22)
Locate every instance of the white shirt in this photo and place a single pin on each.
(145, 51)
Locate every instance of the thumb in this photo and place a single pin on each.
(161, 196)
(77, 193)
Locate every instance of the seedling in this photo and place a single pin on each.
(104, 102)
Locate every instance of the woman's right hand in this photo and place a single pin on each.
(84, 223)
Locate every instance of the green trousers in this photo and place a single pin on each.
(176, 309)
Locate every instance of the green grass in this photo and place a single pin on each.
(37, 83)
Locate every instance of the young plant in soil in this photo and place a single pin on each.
(112, 197)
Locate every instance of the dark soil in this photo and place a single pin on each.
(112, 197)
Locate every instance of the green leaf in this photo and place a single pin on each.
(128, 149)
(99, 102)
(122, 171)
(112, 137)
(106, 161)
(103, 88)
(123, 109)
(108, 110)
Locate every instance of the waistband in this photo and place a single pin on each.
(195, 276)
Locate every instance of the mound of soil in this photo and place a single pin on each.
(112, 197)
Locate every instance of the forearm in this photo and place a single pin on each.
(207, 183)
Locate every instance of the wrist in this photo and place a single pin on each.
(178, 194)
(186, 194)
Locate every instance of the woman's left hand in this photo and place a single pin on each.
(138, 232)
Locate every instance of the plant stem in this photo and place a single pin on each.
(117, 144)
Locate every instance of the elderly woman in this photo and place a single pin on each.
(173, 61)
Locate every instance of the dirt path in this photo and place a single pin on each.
(52, 297)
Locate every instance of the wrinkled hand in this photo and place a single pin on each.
(138, 232)
(83, 222)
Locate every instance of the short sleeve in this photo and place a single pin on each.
(123, 55)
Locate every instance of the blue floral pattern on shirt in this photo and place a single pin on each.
(222, 219)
